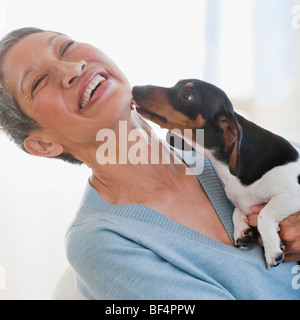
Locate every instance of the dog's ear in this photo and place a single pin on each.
(231, 134)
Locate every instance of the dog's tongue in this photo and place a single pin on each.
(133, 104)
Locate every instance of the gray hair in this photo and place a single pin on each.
(13, 121)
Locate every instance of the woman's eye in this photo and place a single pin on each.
(65, 47)
(187, 95)
(36, 83)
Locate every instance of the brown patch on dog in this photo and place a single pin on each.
(152, 110)
(189, 85)
(199, 122)
(156, 105)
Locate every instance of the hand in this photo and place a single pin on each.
(289, 233)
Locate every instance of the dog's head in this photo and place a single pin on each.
(193, 104)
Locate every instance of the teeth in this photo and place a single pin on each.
(89, 89)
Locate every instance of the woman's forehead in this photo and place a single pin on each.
(31, 44)
(34, 40)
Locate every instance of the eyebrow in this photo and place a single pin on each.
(31, 68)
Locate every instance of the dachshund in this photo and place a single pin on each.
(255, 165)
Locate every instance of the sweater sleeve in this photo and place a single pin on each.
(109, 265)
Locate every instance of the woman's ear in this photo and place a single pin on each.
(41, 148)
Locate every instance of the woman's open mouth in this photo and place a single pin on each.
(93, 90)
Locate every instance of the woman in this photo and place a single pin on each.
(143, 231)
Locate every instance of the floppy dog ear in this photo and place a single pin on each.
(232, 134)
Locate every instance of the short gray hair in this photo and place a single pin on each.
(13, 121)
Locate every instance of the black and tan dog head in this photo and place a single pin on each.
(193, 104)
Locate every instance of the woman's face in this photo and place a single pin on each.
(54, 79)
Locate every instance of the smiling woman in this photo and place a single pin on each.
(15, 123)
(130, 236)
(61, 77)
(130, 210)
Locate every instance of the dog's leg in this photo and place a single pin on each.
(278, 208)
(243, 234)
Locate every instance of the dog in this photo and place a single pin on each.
(255, 165)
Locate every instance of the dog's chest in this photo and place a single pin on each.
(241, 196)
(275, 181)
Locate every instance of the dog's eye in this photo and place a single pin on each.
(187, 95)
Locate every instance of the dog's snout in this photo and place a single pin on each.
(143, 95)
(138, 91)
(141, 91)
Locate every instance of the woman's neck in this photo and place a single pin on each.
(134, 165)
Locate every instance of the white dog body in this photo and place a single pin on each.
(279, 188)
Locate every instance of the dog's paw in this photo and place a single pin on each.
(273, 259)
(245, 238)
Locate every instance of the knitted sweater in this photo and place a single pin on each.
(131, 251)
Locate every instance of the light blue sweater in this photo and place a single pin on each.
(133, 252)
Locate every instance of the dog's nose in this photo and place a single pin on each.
(139, 91)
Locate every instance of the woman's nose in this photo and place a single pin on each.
(70, 71)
